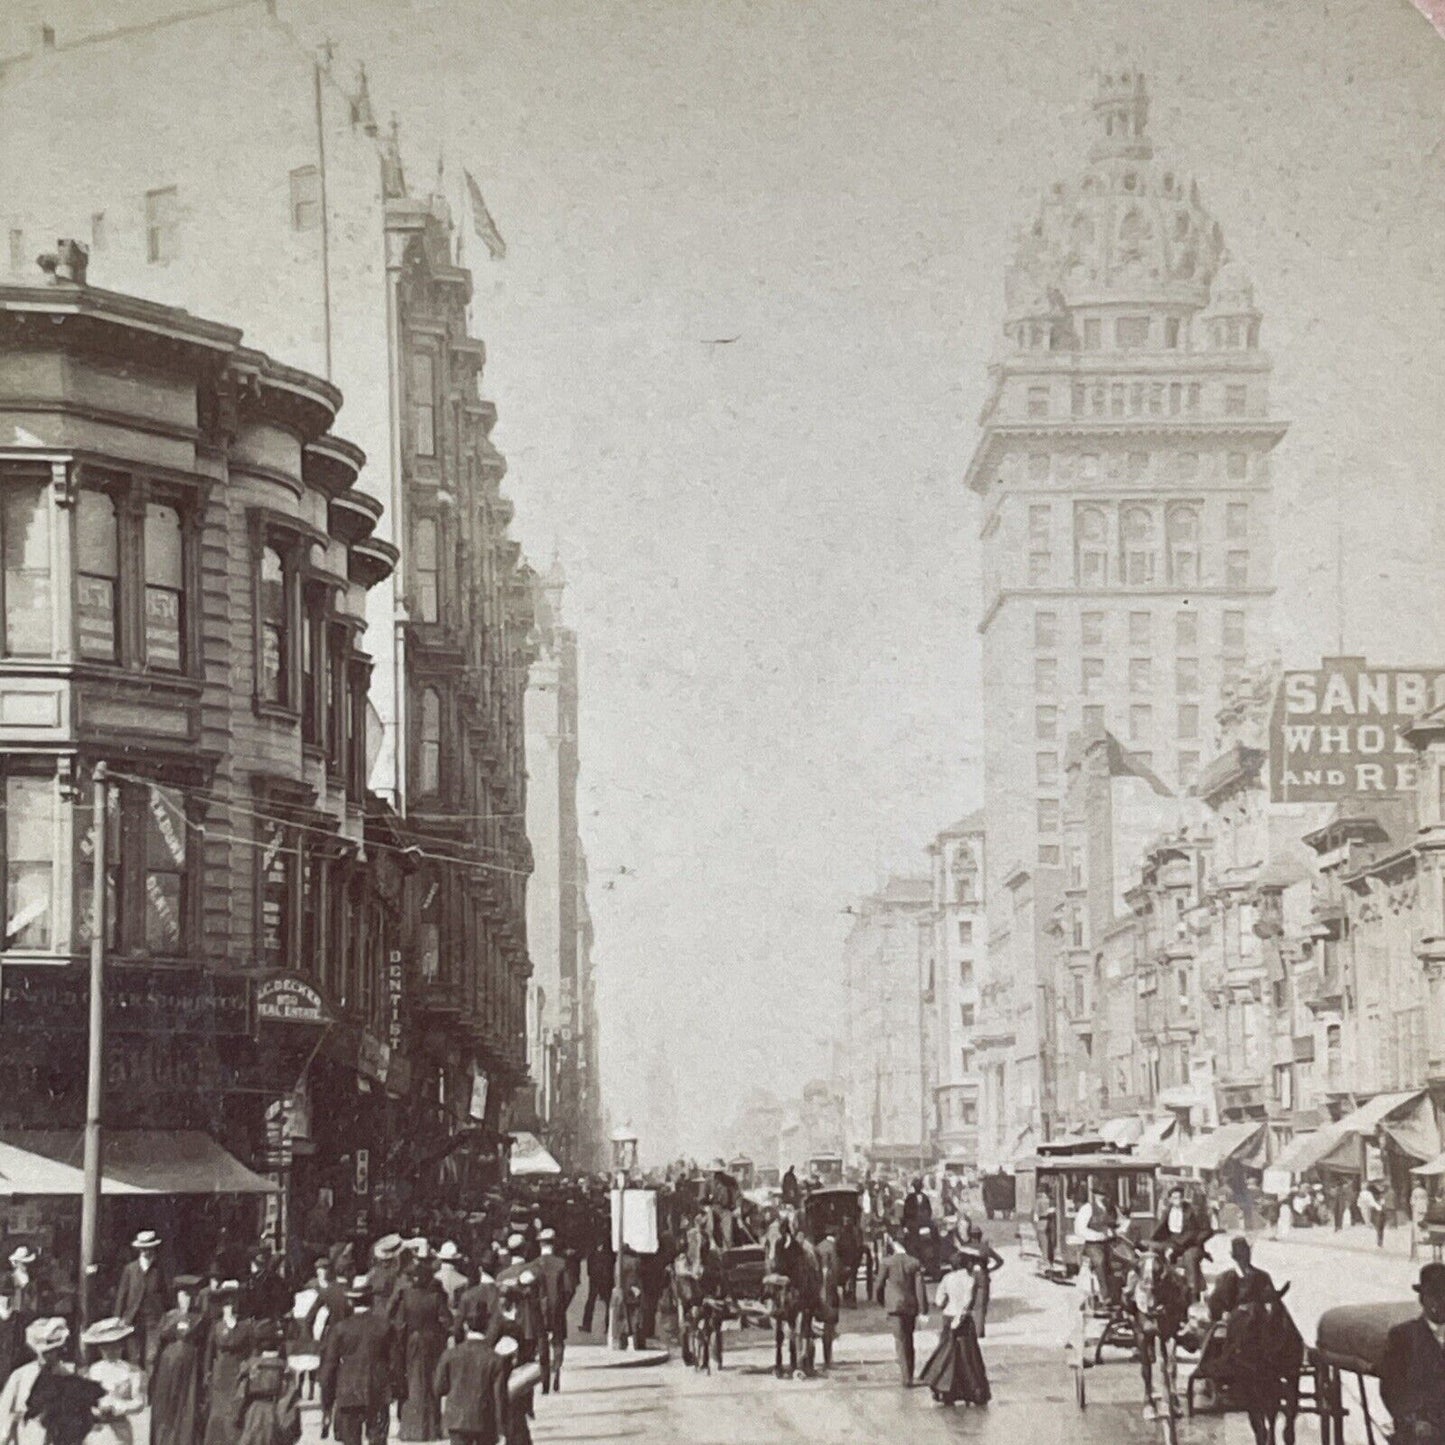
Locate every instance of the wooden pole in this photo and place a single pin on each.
(94, 1087)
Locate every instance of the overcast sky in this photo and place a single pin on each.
(771, 554)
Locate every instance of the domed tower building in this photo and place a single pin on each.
(1123, 475)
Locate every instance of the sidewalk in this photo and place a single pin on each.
(1356, 1237)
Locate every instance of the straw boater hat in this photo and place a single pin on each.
(45, 1335)
(387, 1247)
(547, 1236)
(359, 1288)
(109, 1331)
(24, 1255)
(449, 1253)
(516, 1242)
(146, 1239)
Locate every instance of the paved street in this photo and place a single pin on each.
(862, 1401)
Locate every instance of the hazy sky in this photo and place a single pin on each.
(771, 554)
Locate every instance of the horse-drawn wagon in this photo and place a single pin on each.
(1350, 1340)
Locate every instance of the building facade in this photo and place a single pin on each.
(1123, 479)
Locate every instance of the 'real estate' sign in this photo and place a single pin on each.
(1335, 730)
(289, 1000)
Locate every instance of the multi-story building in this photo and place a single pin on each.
(307, 233)
(187, 558)
(959, 938)
(886, 987)
(1123, 479)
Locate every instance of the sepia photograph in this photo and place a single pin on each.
(722, 721)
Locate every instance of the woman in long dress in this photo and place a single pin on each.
(973, 1254)
(422, 1322)
(955, 1368)
(123, 1383)
(176, 1375)
(228, 1347)
(267, 1406)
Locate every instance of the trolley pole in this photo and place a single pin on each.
(94, 1084)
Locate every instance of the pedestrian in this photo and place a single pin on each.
(471, 1381)
(555, 1287)
(1419, 1208)
(1365, 1205)
(1384, 1211)
(122, 1382)
(142, 1299)
(601, 1273)
(266, 1408)
(176, 1382)
(450, 1275)
(955, 1370)
(228, 1347)
(981, 1260)
(357, 1363)
(385, 1270)
(904, 1298)
(24, 1287)
(1412, 1371)
(45, 1339)
(830, 1274)
(13, 1350)
(420, 1321)
(626, 1317)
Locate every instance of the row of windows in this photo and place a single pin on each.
(1093, 675)
(1136, 333)
(1093, 625)
(1048, 716)
(1137, 398)
(1137, 568)
(1134, 465)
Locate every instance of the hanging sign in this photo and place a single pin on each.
(290, 1000)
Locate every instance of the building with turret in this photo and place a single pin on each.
(1123, 477)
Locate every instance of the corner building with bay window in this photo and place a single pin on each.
(1123, 477)
(185, 566)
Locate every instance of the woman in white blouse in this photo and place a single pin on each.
(955, 1369)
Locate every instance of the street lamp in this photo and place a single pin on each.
(624, 1161)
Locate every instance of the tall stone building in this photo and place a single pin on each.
(1124, 488)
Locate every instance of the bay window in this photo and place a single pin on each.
(25, 521)
(97, 591)
(423, 404)
(276, 887)
(273, 662)
(426, 568)
(31, 827)
(429, 742)
(163, 555)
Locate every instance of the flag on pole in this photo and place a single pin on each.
(482, 222)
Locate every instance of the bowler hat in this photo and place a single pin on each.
(1432, 1279)
(109, 1331)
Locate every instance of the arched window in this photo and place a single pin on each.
(1183, 532)
(429, 743)
(1140, 537)
(1091, 547)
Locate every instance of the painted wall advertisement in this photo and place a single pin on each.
(1335, 729)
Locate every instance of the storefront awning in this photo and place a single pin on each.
(1240, 1140)
(529, 1155)
(133, 1161)
(1336, 1144)
(1413, 1131)
(1128, 1129)
(1434, 1167)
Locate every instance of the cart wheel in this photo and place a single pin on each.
(1080, 1391)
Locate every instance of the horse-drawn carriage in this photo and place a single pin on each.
(1350, 1340)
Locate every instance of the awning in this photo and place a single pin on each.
(1334, 1144)
(1154, 1142)
(1239, 1140)
(530, 1156)
(133, 1161)
(1413, 1131)
(1435, 1166)
(1128, 1129)
(1183, 1096)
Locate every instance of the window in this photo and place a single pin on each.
(305, 198)
(97, 552)
(1076, 866)
(1039, 568)
(429, 749)
(1038, 466)
(1092, 334)
(1038, 401)
(1079, 399)
(163, 887)
(965, 973)
(279, 870)
(1141, 627)
(965, 931)
(1186, 631)
(1091, 675)
(1236, 569)
(1233, 632)
(1176, 398)
(1186, 676)
(1089, 466)
(1039, 522)
(965, 1015)
(1186, 466)
(313, 666)
(1183, 529)
(426, 569)
(1236, 399)
(1094, 717)
(1116, 399)
(1236, 466)
(161, 216)
(25, 519)
(1048, 815)
(1131, 332)
(1076, 927)
(1188, 767)
(338, 651)
(1189, 720)
(274, 664)
(1091, 534)
(85, 864)
(164, 566)
(1171, 333)
(17, 250)
(1141, 675)
(97, 231)
(1046, 675)
(1140, 545)
(31, 827)
(1236, 521)
(1141, 722)
(423, 404)
(1046, 724)
(1091, 629)
(1046, 629)
(1046, 769)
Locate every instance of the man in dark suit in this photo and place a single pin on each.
(1242, 1283)
(331, 1297)
(523, 1273)
(904, 1298)
(471, 1379)
(1412, 1373)
(555, 1287)
(357, 1360)
(601, 1271)
(1184, 1234)
(142, 1299)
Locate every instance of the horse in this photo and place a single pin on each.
(791, 1288)
(1157, 1298)
(1259, 1361)
(850, 1256)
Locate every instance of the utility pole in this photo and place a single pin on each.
(94, 1084)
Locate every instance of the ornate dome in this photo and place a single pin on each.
(1127, 229)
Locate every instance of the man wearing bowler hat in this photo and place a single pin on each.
(357, 1361)
(1412, 1372)
(142, 1299)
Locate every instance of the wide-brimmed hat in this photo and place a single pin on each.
(110, 1331)
(359, 1288)
(46, 1334)
(449, 1253)
(23, 1255)
(1432, 1278)
(146, 1239)
(387, 1246)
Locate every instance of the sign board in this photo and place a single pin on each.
(395, 977)
(44, 999)
(1335, 730)
(478, 1109)
(290, 1000)
(634, 1219)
